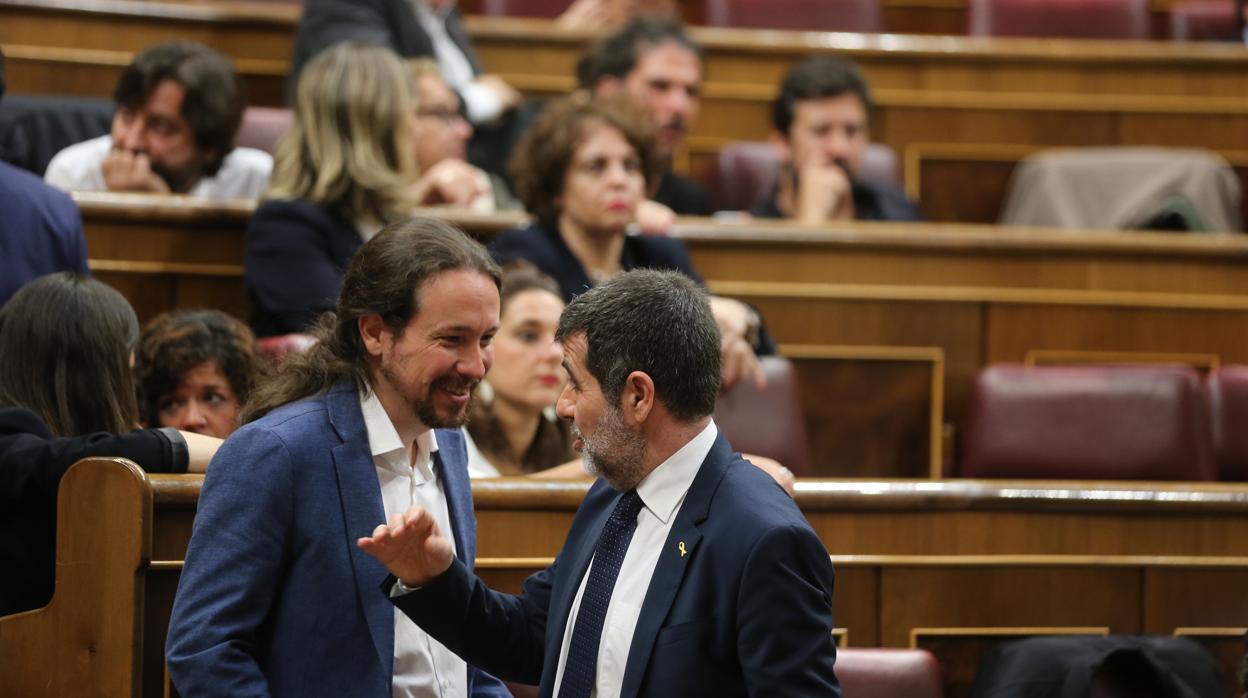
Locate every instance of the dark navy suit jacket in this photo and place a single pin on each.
(40, 231)
(746, 611)
(294, 258)
(276, 598)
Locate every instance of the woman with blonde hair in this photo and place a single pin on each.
(345, 168)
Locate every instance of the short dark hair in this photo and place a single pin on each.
(617, 55)
(656, 322)
(174, 343)
(212, 105)
(817, 77)
(66, 341)
(383, 278)
(539, 164)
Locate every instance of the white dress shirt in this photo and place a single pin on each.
(244, 172)
(481, 103)
(422, 666)
(662, 492)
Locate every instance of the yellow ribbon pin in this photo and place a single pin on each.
(681, 547)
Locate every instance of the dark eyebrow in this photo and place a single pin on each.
(567, 366)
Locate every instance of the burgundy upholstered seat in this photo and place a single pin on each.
(262, 126)
(1088, 422)
(888, 673)
(542, 9)
(769, 422)
(1076, 19)
(800, 15)
(1228, 399)
(1204, 20)
(280, 346)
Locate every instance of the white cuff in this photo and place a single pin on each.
(481, 103)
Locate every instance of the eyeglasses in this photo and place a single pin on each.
(445, 117)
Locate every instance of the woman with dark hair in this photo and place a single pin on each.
(583, 170)
(194, 370)
(512, 428)
(66, 393)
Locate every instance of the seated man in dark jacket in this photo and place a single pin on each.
(821, 131)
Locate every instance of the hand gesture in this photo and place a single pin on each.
(452, 183)
(411, 547)
(125, 170)
(823, 194)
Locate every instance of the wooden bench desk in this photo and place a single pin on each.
(961, 556)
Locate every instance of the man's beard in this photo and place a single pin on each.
(424, 408)
(179, 182)
(615, 454)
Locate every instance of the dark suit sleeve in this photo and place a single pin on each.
(500, 633)
(234, 564)
(290, 268)
(327, 22)
(785, 616)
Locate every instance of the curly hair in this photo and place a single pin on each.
(174, 343)
(540, 162)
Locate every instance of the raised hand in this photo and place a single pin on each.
(411, 547)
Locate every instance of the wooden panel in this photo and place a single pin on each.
(1227, 645)
(84, 642)
(872, 411)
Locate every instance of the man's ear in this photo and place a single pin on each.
(374, 333)
(607, 86)
(637, 400)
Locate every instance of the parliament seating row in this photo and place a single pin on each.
(887, 324)
(1114, 558)
(1107, 423)
(1189, 20)
(950, 90)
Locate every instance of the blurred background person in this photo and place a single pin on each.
(347, 166)
(583, 170)
(194, 371)
(40, 231)
(512, 428)
(66, 393)
(178, 109)
(442, 134)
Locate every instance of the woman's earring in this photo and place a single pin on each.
(485, 392)
(549, 413)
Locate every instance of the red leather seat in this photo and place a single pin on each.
(1204, 20)
(1088, 422)
(1076, 19)
(1228, 400)
(888, 673)
(262, 126)
(278, 347)
(800, 15)
(745, 172)
(544, 9)
(769, 422)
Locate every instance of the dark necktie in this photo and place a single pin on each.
(582, 663)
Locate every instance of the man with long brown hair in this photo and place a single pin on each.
(275, 599)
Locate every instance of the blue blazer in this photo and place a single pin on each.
(747, 610)
(276, 598)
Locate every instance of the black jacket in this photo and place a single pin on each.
(32, 463)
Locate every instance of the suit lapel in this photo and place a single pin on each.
(362, 510)
(450, 464)
(669, 573)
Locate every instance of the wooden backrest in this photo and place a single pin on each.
(86, 641)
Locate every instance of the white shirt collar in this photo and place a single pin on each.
(664, 488)
(384, 441)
